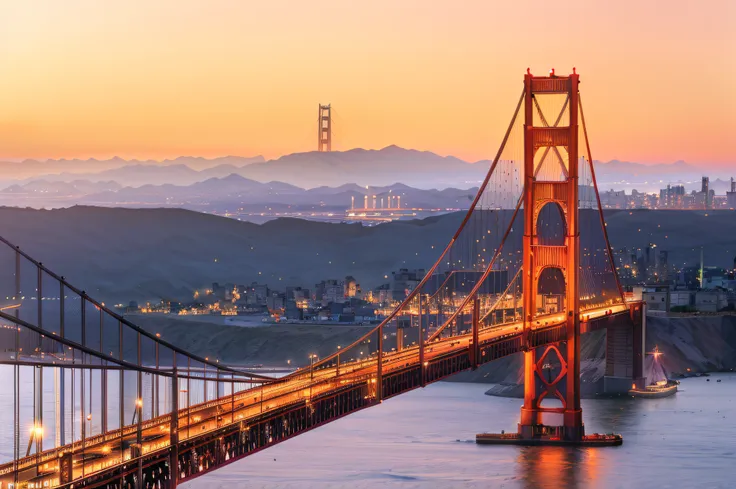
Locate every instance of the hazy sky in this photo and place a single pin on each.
(162, 78)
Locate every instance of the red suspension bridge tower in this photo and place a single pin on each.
(543, 137)
(324, 128)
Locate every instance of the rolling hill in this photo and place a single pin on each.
(123, 254)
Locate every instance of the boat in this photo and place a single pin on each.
(661, 386)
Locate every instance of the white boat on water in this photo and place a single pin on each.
(661, 386)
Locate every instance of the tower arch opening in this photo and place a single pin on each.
(551, 225)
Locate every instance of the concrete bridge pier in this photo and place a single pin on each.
(625, 352)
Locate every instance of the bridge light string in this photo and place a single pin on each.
(617, 292)
(473, 292)
(482, 247)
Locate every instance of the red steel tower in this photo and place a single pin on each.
(537, 257)
(551, 413)
(324, 128)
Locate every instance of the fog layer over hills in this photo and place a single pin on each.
(144, 254)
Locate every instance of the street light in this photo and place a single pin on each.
(311, 365)
(138, 409)
(36, 434)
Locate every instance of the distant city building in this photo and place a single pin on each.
(275, 302)
(351, 287)
(329, 291)
(711, 300)
(672, 197)
(256, 294)
(705, 191)
(404, 281)
(380, 294)
(731, 196)
(614, 199)
(663, 299)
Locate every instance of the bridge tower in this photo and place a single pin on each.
(324, 128)
(538, 256)
(551, 413)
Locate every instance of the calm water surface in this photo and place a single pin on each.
(425, 439)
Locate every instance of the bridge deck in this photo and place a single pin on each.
(222, 430)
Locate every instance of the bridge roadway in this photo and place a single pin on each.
(207, 424)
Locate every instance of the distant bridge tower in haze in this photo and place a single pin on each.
(324, 128)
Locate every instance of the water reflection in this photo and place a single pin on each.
(556, 467)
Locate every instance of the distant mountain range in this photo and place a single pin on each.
(75, 188)
(233, 190)
(75, 169)
(312, 170)
(629, 169)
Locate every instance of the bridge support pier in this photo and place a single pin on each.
(625, 345)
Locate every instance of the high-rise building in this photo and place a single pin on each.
(705, 190)
(731, 196)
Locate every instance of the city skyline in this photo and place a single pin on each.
(237, 78)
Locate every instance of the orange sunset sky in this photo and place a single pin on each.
(163, 78)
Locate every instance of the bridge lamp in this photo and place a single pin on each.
(37, 431)
(139, 402)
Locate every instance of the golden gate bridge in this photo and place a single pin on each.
(99, 402)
